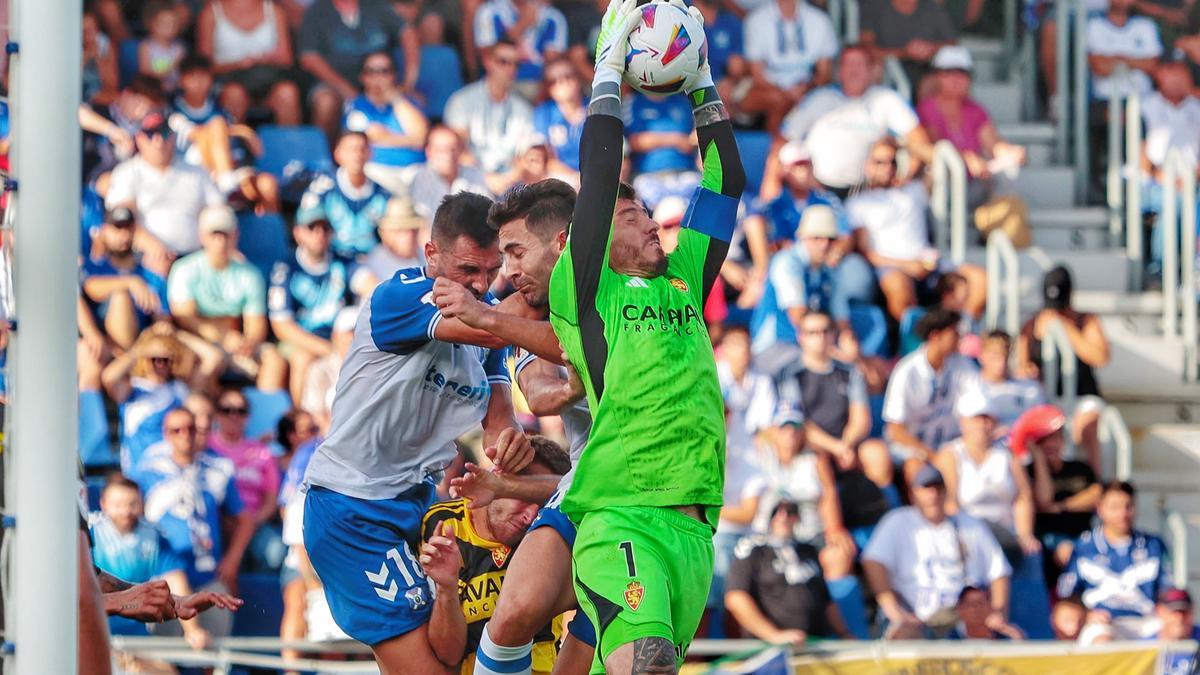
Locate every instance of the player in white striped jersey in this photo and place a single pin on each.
(532, 222)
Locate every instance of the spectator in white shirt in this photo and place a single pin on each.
(1010, 397)
(893, 236)
(790, 46)
(491, 119)
(536, 27)
(919, 403)
(1172, 119)
(444, 173)
(1117, 38)
(920, 558)
(168, 193)
(840, 123)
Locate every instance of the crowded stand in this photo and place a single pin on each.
(255, 169)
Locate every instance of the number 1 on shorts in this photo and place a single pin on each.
(630, 566)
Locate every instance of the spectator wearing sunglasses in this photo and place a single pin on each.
(560, 117)
(491, 119)
(394, 126)
(536, 27)
(122, 294)
(256, 478)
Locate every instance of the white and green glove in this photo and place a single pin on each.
(619, 20)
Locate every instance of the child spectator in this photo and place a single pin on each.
(162, 50)
(973, 608)
(1009, 396)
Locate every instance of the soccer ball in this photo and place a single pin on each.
(665, 48)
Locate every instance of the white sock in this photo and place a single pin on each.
(494, 659)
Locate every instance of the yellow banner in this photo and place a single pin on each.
(1141, 662)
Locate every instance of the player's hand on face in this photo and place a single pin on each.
(188, 606)
(454, 301)
(477, 485)
(513, 451)
(150, 602)
(441, 558)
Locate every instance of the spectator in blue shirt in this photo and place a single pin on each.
(123, 295)
(559, 119)
(663, 148)
(333, 40)
(350, 201)
(188, 491)
(395, 127)
(1119, 571)
(537, 28)
(307, 292)
(723, 31)
(133, 550)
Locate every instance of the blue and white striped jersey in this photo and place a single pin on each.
(402, 396)
(1122, 580)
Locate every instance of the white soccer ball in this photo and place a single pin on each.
(665, 48)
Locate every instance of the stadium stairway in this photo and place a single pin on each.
(1145, 376)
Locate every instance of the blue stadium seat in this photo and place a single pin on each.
(305, 145)
(261, 614)
(127, 60)
(95, 451)
(265, 410)
(263, 240)
(909, 342)
(877, 424)
(870, 325)
(439, 77)
(754, 148)
(95, 485)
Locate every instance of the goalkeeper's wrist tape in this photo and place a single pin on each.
(606, 93)
(704, 96)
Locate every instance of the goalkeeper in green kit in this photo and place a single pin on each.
(647, 489)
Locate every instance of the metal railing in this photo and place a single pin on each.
(1058, 360)
(1114, 433)
(1082, 160)
(1003, 283)
(1178, 225)
(1178, 533)
(1114, 180)
(1062, 42)
(1133, 188)
(1009, 38)
(895, 77)
(949, 201)
(845, 16)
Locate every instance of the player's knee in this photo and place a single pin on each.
(516, 620)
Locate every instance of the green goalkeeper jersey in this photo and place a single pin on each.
(641, 347)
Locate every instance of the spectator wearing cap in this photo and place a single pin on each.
(561, 115)
(151, 378)
(332, 41)
(790, 46)
(216, 294)
(892, 233)
(444, 173)
(814, 275)
(488, 115)
(394, 125)
(973, 608)
(1176, 622)
(949, 113)
(840, 124)
(910, 30)
(918, 407)
(833, 396)
(124, 296)
(168, 194)
(306, 294)
(662, 147)
(920, 558)
(1120, 37)
(322, 377)
(1010, 396)
(537, 30)
(401, 233)
(776, 590)
(1066, 490)
(350, 201)
(1117, 570)
(1091, 351)
(1172, 120)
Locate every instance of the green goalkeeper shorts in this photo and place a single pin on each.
(642, 571)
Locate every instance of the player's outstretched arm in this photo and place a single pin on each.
(466, 319)
(600, 153)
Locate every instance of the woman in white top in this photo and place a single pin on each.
(984, 479)
(251, 50)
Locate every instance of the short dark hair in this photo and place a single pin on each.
(998, 335)
(550, 454)
(463, 214)
(546, 206)
(116, 479)
(155, 7)
(948, 283)
(626, 191)
(347, 134)
(971, 589)
(858, 47)
(193, 62)
(936, 319)
(286, 425)
(505, 41)
(1122, 486)
(378, 52)
(148, 86)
